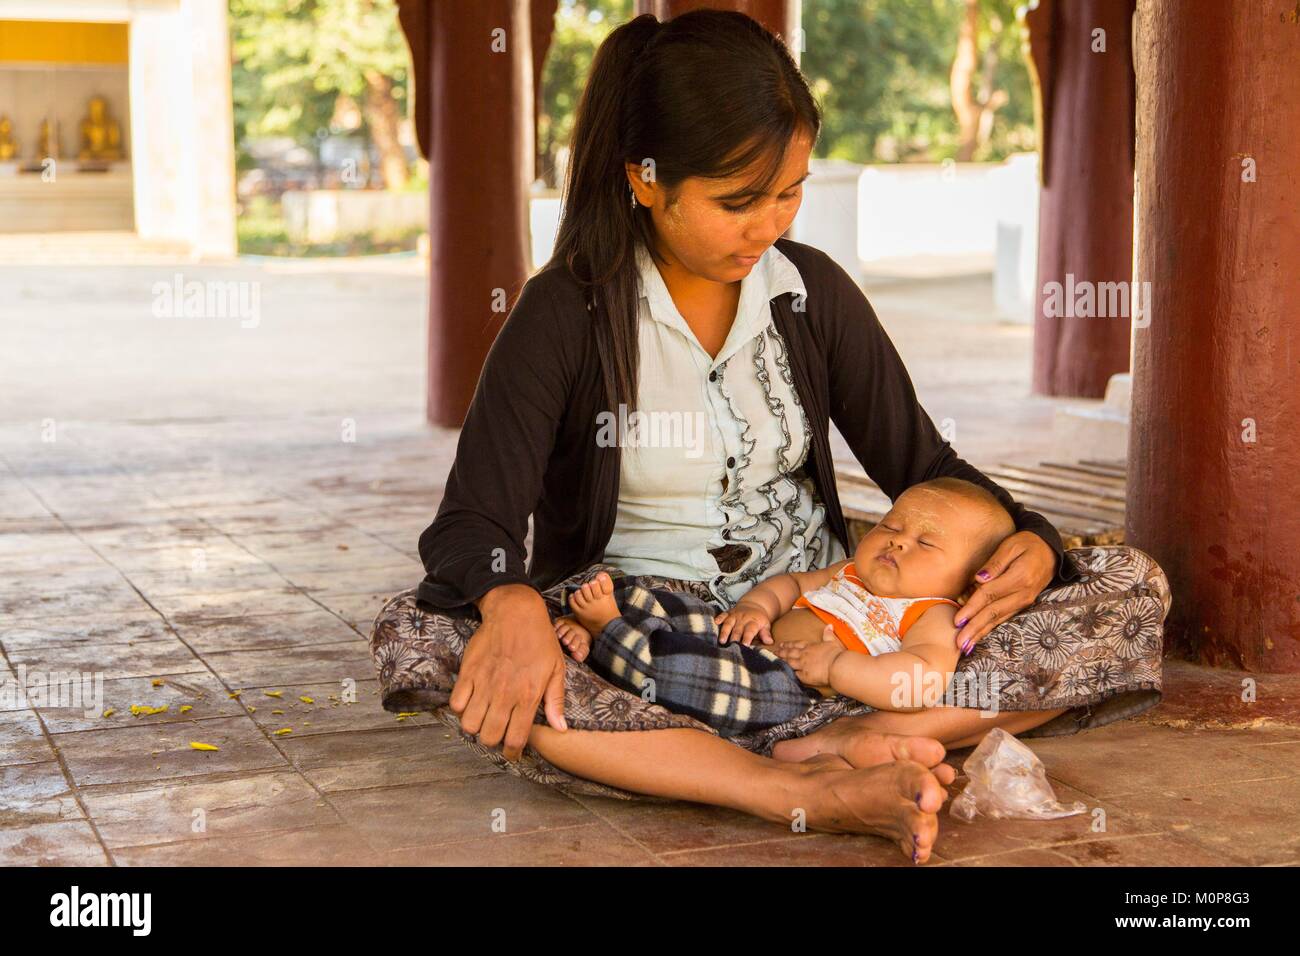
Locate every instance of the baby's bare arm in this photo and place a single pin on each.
(909, 679)
(776, 596)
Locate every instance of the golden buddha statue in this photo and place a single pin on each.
(8, 145)
(47, 142)
(101, 137)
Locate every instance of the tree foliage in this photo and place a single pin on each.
(882, 70)
(293, 59)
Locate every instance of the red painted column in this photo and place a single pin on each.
(1214, 451)
(474, 86)
(779, 16)
(1085, 218)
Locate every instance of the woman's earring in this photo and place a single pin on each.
(629, 189)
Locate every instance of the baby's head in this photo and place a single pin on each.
(934, 538)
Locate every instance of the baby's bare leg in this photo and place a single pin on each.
(857, 739)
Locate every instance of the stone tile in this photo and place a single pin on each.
(323, 663)
(267, 631)
(314, 846)
(154, 752)
(324, 545)
(359, 609)
(21, 581)
(315, 751)
(959, 840)
(323, 715)
(807, 849)
(218, 555)
(66, 843)
(424, 765)
(236, 806)
(158, 586)
(1129, 758)
(198, 690)
(89, 630)
(453, 811)
(326, 558)
(152, 658)
(671, 827)
(591, 844)
(58, 545)
(381, 580)
(1152, 850)
(34, 793)
(1250, 823)
(91, 599)
(21, 740)
(190, 608)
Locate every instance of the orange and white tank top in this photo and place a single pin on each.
(865, 622)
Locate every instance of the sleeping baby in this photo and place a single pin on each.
(868, 628)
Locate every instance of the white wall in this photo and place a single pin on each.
(961, 215)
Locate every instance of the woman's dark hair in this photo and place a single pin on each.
(706, 94)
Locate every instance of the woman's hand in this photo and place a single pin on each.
(511, 663)
(1010, 581)
(743, 623)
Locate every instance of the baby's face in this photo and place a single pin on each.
(921, 548)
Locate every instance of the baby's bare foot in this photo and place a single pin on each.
(575, 638)
(593, 604)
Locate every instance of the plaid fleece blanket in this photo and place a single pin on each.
(665, 649)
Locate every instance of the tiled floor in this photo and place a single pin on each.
(183, 515)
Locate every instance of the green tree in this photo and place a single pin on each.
(580, 26)
(899, 80)
(294, 59)
(918, 79)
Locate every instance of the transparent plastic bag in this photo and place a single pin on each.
(1008, 780)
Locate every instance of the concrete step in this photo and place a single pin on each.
(87, 248)
(1119, 392)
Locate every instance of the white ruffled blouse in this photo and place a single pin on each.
(714, 455)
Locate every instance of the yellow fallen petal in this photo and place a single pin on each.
(157, 682)
(273, 693)
(277, 712)
(110, 712)
(186, 707)
(307, 700)
(234, 694)
(252, 709)
(283, 730)
(198, 746)
(409, 713)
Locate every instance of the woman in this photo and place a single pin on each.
(670, 295)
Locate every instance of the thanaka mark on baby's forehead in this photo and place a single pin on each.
(926, 520)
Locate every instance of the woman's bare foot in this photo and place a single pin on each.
(899, 801)
(575, 638)
(859, 746)
(593, 604)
